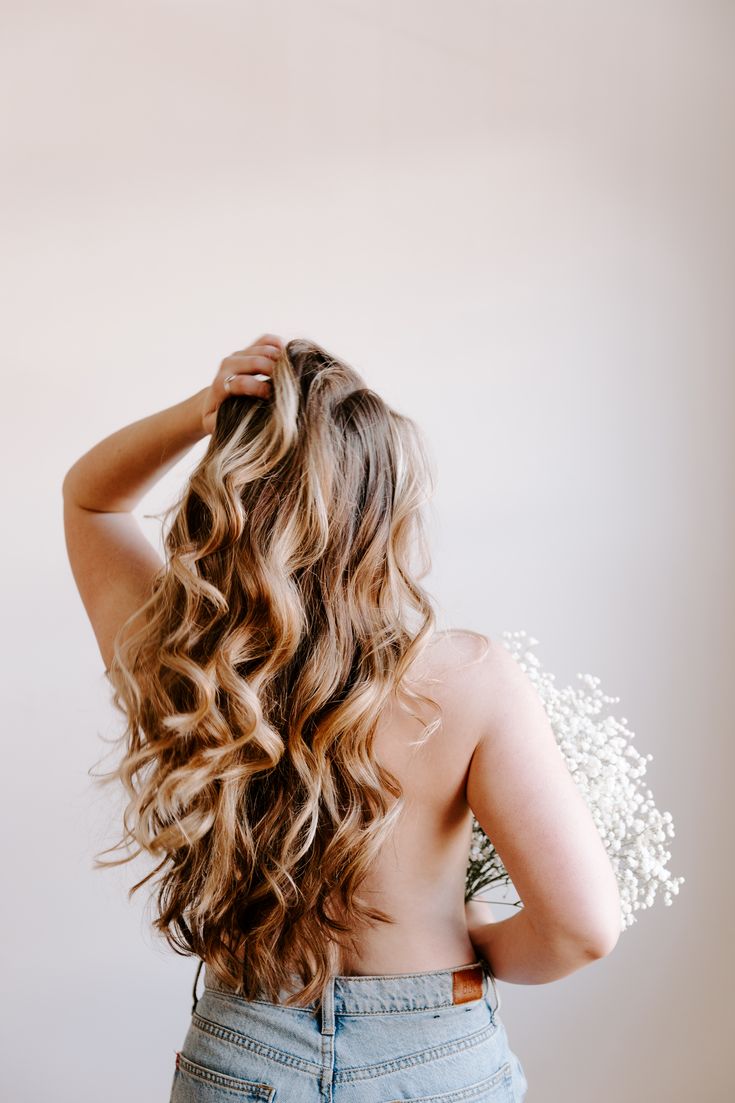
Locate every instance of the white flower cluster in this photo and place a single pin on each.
(609, 772)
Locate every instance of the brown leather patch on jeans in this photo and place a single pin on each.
(467, 984)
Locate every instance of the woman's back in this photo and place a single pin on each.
(495, 755)
(419, 877)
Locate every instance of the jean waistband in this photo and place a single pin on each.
(423, 991)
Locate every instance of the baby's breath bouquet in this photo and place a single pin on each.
(609, 772)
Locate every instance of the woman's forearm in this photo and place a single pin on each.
(519, 953)
(116, 473)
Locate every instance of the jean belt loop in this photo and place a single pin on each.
(327, 1008)
(326, 1015)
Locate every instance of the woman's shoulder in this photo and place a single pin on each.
(463, 671)
(461, 658)
(478, 672)
(456, 648)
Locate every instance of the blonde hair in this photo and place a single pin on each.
(276, 633)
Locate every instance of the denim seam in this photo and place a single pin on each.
(243, 1042)
(405, 1010)
(262, 1003)
(473, 1091)
(229, 1083)
(363, 1072)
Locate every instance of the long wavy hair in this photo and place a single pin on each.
(283, 621)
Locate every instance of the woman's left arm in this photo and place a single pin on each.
(113, 476)
(112, 561)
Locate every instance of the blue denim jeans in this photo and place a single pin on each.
(431, 1037)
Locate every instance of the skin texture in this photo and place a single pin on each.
(495, 753)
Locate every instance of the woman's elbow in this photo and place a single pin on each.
(603, 940)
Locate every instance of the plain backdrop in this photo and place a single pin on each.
(516, 220)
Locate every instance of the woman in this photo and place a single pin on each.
(304, 751)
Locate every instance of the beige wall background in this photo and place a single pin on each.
(516, 219)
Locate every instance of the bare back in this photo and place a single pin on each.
(419, 877)
(495, 754)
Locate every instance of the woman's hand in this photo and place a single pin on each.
(236, 375)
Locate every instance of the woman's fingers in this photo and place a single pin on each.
(245, 383)
(238, 370)
(250, 362)
(238, 375)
